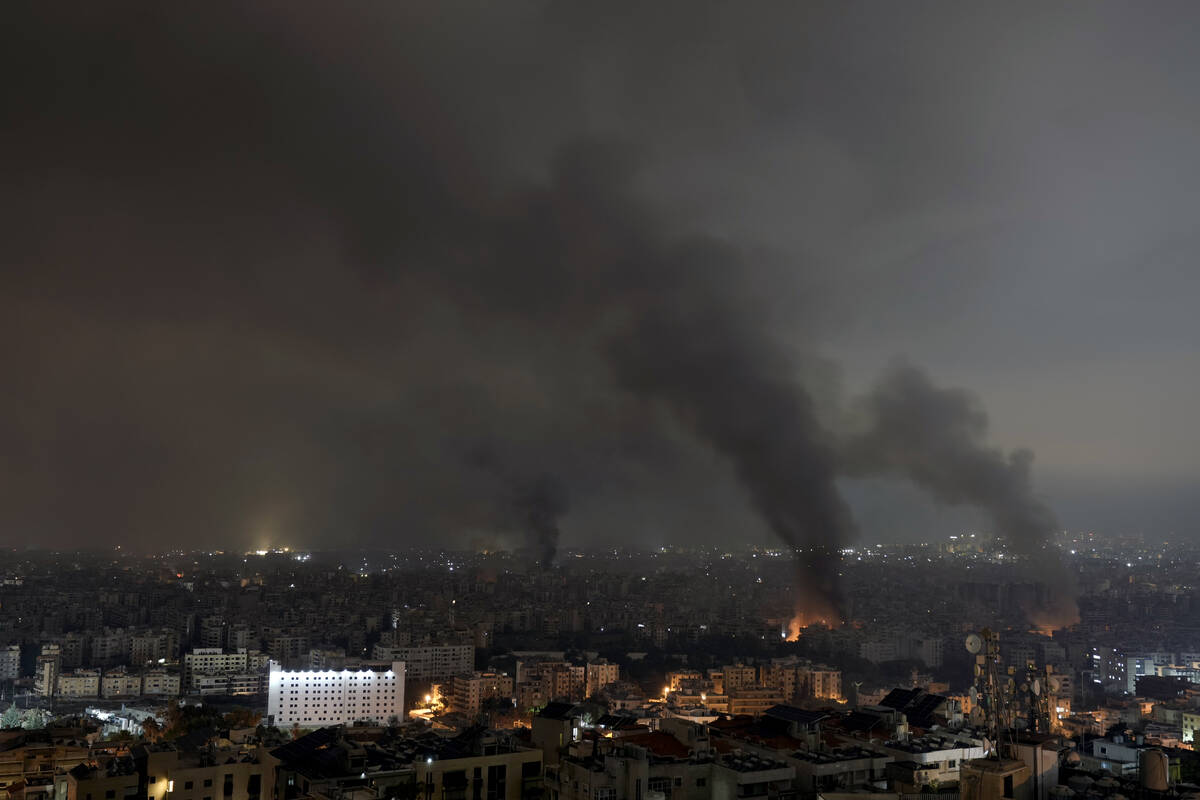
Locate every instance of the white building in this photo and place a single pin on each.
(315, 698)
(430, 663)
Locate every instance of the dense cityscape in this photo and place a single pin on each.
(370, 672)
(574, 400)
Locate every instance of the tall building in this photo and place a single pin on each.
(542, 681)
(317, 698)
(110, 647)
(49, 664)
(823, 683)
(213, 661)
(151, 646)
(10, 662)
(290, 651)
(599, 674)
(212, 632)
(739, 676)
(430, 663)
(467, 692)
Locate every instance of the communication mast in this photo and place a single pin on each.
(993, 691)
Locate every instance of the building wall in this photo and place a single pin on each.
(167, 776)
(96, 786)
(311, 698)
(214, 661)
(1190, 723)
(519, 773)
(600, 674)
(434, 663)
(121, 684)
(467, 692)
(161, 683)
(83, 683)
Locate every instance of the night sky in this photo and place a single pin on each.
(319, 274)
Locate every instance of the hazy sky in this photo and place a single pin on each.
(298, 273)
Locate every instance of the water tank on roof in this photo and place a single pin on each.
(1060, 792)
(1154, 767)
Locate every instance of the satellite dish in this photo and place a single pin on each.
(1036, 687)
(974, 643)
(973, 693)
(1053, 685)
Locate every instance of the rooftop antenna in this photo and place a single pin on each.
(993, 689)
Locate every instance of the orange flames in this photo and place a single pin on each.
(1046, 621)
(805, 618)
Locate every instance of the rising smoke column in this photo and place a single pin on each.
(316, 230)
(539, 506)
(936, 437)
(709, 359)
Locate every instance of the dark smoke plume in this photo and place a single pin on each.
(936, 438)
(728, 381)
(290, 264)
(539, 507)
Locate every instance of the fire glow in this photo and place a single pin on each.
(804, 619)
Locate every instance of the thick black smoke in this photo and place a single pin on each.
(710, 360)
(539, 507)
(937, 438)
(271, 270)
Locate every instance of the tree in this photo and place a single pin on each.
(11, 718)
(242, 718)
(151, 729)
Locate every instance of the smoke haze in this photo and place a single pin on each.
(273, 273)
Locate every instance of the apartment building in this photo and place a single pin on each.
(239, 773)
(79, 683)
(213, 661)
(49, 664)
(110, 647)
(598, 674)
(739, 676)
(161, 683)
(150, 646)
(753, 700)
(121, 683)
(10, 662)
(314, 698)
(117, 779)
(431, 662)
(467, 692)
